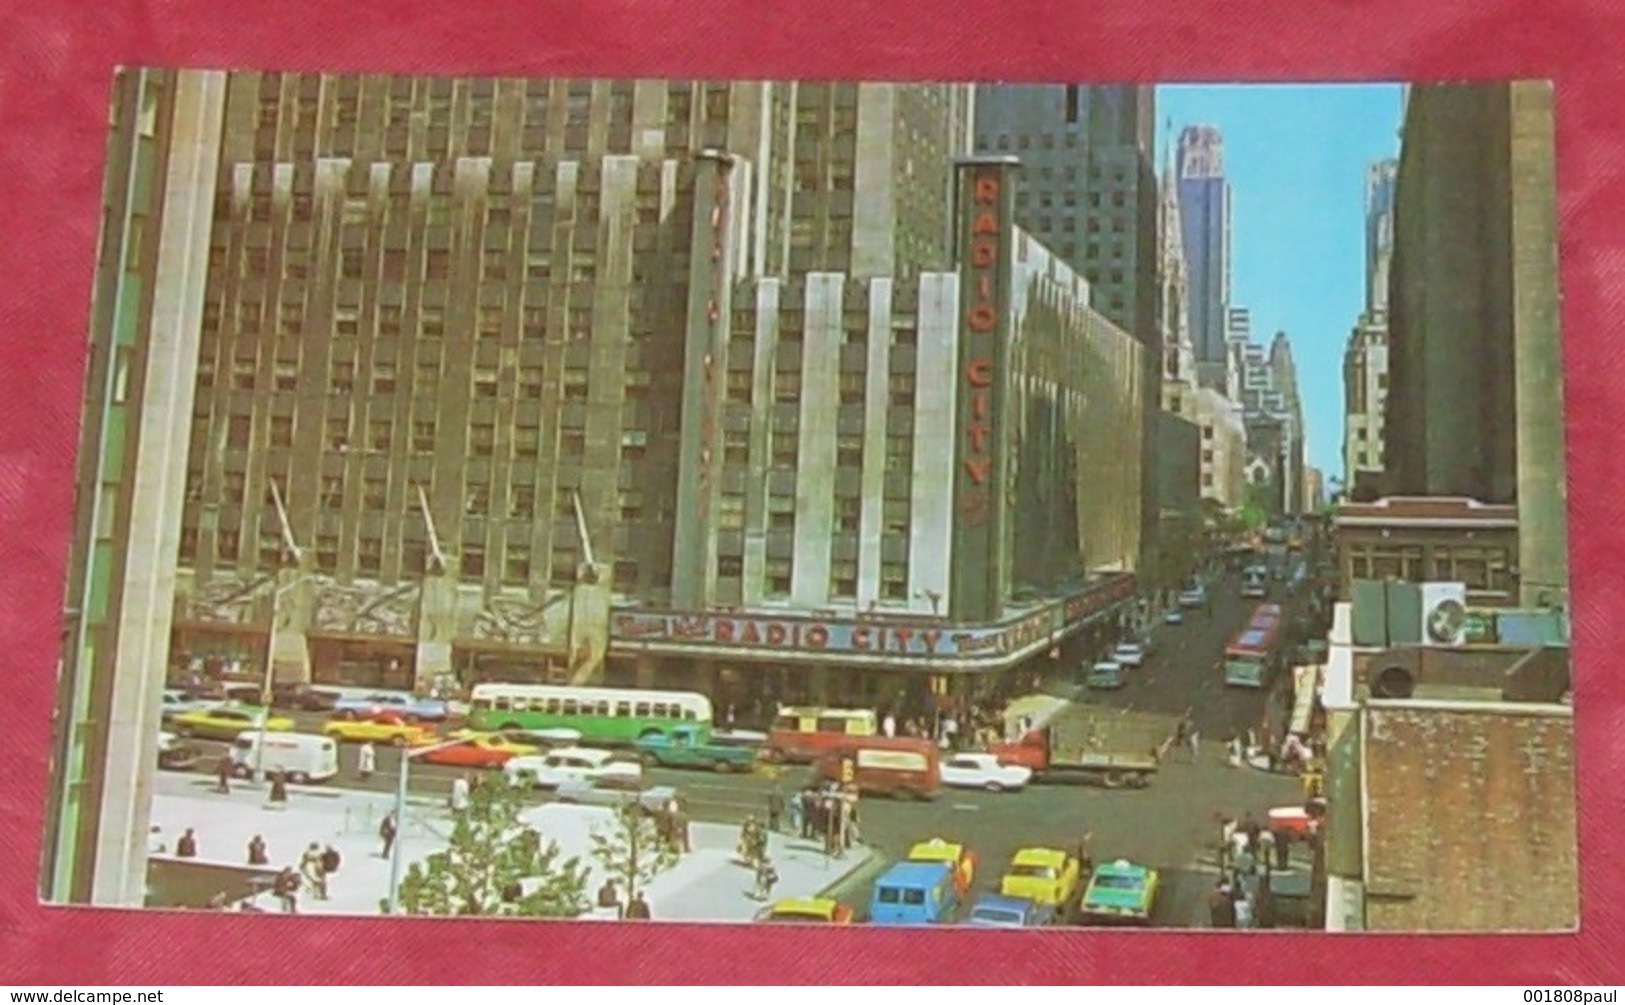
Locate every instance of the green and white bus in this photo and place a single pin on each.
(599, 714)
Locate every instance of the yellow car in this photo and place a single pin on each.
(224, 722)
(957, 855)
(809, 910)
(1045, 876)
(400, 734)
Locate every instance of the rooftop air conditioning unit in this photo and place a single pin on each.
(1444, 614)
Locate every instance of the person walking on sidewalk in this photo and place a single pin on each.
(311, 865)
(386, 834)
(366, 761)
(459, 794)
(775, 808)
(796, 807)
(257, 853)
(766, 878)
(278, 799)
(222, 774)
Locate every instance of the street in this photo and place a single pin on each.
(1169, 825)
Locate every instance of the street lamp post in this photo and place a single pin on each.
(395, 859)
(270, 669)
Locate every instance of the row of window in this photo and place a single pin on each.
(1485, 569)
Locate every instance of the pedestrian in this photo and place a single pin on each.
(638, 909)
(679, 826)
(279, 792)
(366, 760)
(747, 839)
(888, 725)
(331, 860)
(459, 794)
(310, 865)
(222, 773)
(1238, 843)
(386, 833)
(1283, 850)
(766, 877)
(1267, 855)
(257, 854)
(609, 897)
(1220, 905)
(286, 889)
(1194, 741)
(1250, 825)
(1244, 912)
(1235, 751)
(186, 847)
(775, 808)
(809, 812)
(795, 807)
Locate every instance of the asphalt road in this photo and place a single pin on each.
(1169, 825)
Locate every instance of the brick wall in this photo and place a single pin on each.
(1470, 819)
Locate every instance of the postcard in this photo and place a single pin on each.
(822, 503)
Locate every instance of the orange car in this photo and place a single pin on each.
(477, 750)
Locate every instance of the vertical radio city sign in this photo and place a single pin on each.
(985, 248)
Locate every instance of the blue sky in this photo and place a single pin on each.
(1295, 157)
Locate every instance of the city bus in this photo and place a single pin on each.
(600, 714)
(1251, 658)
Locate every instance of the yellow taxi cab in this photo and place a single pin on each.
(808, 910)
(393, 731)
(1046, 876)
(224, 722)
(961, 858)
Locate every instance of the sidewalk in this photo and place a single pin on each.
(705, 885)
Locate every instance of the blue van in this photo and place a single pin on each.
(914, 893)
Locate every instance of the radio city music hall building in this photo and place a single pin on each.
(753, 388)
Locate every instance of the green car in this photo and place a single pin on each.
(1120, 892)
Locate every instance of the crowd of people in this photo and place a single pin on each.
(1251, 855)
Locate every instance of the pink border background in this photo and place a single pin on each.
(55, 65)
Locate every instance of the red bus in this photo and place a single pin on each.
(1253, 656)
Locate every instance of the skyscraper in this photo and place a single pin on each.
(1088, 189)
(1475, 397)
(1379, 231)
(1204, 200)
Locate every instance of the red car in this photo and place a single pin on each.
(483, 751)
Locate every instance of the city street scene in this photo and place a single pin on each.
(1006, 506)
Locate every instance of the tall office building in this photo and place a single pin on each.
(1089, 193)
(1379, 231)
(1204, 199)
(1475, 398)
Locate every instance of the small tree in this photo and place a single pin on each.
(632, 850)
(495, 865)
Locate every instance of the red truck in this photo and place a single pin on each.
(1070, 742)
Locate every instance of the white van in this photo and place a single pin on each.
(301, 757)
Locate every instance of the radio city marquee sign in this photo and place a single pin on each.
(979, 479)
(869, 637)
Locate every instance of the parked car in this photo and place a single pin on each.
(177, 701)
(1173, 616)
(1130, 654)
(477, 750)
(809, 911)
(303, 698)
(1046, 876)
(175, 754)
(962, 859)
(992, 910)
(1105, 675)
(409, 707)
(983, 771)
(1193, 598)
(224, 722)
(554, 768)
(1120, 891)
(617, 788)
(381, 730)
